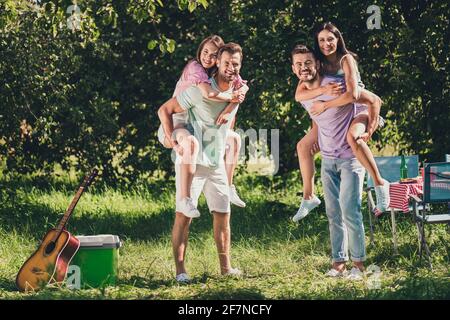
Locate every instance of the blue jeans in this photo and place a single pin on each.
(342, 181)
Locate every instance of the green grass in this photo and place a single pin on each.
(280, 259)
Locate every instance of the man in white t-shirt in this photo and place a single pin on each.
(210, 176)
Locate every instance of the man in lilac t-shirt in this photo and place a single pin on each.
(342, 174)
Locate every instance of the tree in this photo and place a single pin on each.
(89, 96)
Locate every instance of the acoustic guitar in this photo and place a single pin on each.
(51, 260)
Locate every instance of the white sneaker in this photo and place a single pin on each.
(182, 278)
(383, 198)
(234, 198)
(187, 207)
(235, 272)
(355, 274)
(305, 207)
(335, 273)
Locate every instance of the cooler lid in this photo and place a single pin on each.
(100, 241)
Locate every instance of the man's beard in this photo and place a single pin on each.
(310, 78)
(227, 78)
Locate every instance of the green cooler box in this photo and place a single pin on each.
(96, 263)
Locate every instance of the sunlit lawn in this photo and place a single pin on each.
(280, 259)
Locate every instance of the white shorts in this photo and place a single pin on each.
(180, 120)
(212, 182)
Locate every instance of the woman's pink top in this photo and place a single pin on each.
(194, 74)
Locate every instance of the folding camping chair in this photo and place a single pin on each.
(389, 168)
(436, 189)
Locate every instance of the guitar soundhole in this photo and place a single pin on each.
(49, 248)
(36, 270)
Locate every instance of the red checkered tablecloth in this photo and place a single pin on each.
(400, 192)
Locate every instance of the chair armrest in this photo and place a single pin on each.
(415, 198)
(417, 211)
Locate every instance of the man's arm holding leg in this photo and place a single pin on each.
(374, 105)
(165, 113)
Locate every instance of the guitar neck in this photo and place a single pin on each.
(87, 181)
(69, 211)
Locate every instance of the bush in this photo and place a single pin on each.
(89, 97)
